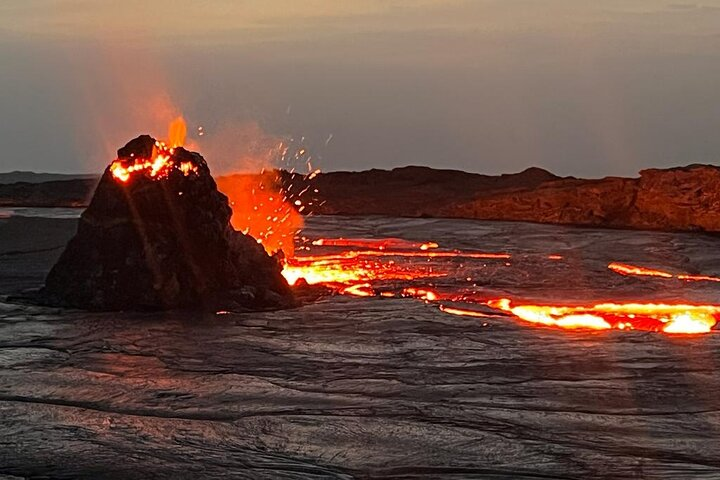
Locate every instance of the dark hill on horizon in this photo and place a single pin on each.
(405, 191)
(679, 199)
(18, 176)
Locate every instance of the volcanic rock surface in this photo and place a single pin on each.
(163, 243)
(368, 388)
(680, 199)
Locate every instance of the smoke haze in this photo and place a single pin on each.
(578, 87)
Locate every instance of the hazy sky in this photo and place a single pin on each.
(586, 88)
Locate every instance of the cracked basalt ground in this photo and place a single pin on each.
(363, 388)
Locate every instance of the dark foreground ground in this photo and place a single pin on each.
(363, 388)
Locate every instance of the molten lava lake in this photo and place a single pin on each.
(414, 369)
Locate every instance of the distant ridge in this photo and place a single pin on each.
(677, 199)
(18, 176)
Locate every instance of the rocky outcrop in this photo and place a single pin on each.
(681, 199)
(685, 198)
(163, 240)
(604, 202)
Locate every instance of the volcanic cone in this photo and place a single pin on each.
(157, 235)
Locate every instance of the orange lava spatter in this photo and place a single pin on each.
(260, 206)
(262, 209)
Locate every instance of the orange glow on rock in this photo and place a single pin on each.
(187, 168)
(159, 166)
(161, 160)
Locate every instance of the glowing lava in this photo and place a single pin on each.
(698, 278)
(385, 267)
(630, 270)
(464, 312)
(260, 207)
(666, 318)
(351, 267)
(374, 243)
(161, 162)
(625, 269)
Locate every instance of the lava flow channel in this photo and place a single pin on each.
(380, 260)
(667, 318)
(344, 270)
(633, 270)
(366, 273)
